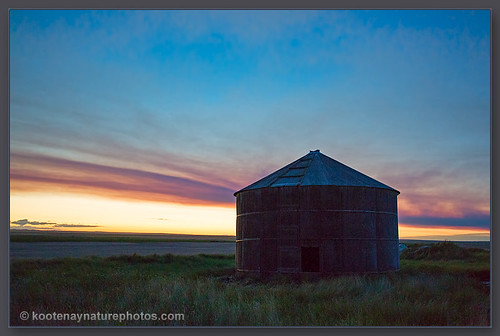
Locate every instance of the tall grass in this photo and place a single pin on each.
(205, 290)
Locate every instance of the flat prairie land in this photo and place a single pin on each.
(31, 236)
(444, 285)
(77, 249)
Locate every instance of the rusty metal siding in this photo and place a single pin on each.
(250, 255)
(269, 253)
(355, 228)
(340, 220)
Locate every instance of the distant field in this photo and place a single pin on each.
(442, 286)
(80, 244)
(24, 236)
(62, 249)
(28, 236)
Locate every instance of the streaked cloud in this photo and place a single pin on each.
(471, 221)
(25, 223)
(32, 172)
(75, 225)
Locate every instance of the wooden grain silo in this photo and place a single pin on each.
(316, 215)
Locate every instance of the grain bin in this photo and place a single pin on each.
(316, 215)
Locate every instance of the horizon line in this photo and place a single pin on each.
(27, 231)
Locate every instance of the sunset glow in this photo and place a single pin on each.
(149, 120)
(90, 213)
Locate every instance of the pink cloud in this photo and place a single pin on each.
(36, 172)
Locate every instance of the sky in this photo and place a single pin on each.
(150, 120)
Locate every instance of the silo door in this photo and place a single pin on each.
(310, 259)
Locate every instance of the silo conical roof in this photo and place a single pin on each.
(316, 168)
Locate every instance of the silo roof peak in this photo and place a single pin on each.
(315, 168)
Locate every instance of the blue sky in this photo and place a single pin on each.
(226, 97)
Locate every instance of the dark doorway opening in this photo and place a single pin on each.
(310, 259)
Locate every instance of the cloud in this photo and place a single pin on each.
(471, 221)
(117, 152)
(27, 223)
(454, 188)
(75, 225)
(36, 173)
(161, 116)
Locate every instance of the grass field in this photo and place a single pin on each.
(34, 236)
(448, 290)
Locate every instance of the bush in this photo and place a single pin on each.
(440, 251)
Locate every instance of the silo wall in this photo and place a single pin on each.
(321, 229)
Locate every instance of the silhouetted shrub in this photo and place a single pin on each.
(440, 251)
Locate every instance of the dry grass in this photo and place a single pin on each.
(203, 288)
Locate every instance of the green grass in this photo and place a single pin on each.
(425, 292)
(446, 258)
